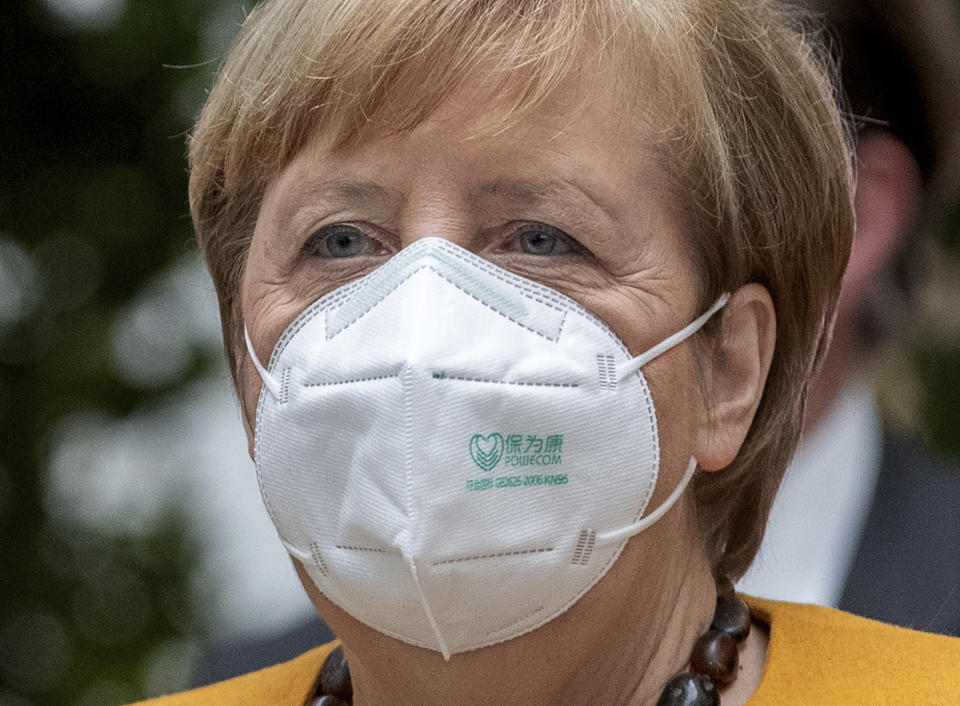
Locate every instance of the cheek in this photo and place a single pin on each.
(268, 304)
(641, 320)
(267, 309)
(637, 318)
(676, 397)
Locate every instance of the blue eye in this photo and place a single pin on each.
(339, 241)
(344, 244)
(544, 240)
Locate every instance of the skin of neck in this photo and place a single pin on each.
(619, 644)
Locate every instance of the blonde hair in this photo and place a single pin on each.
(757, 155)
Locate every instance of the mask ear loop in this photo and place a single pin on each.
(639, 526)
(632, 366)
(269, 381)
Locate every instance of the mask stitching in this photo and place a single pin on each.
(520, 383)
(461, 289)
(342, 605)
(645, 391)
(615, 550)
(350, 382)
(285, 386)
(584, 547)
(607, 372)
(312, 311)
(321, 305)
(563, 323)
(257, 436)
(538, 291)
(336, 600)
(318, 559)
(655, 435)
(614, 553)
(498, 555)
(365, 549)
(510, 625)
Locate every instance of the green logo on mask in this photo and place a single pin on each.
(486, 451)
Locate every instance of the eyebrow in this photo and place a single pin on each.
(334, 192)
(527, 192)
(371, 195)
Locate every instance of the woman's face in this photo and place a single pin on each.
(571, 197)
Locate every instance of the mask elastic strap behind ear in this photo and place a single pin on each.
(269, 381)
(640, 525)
(632, 366)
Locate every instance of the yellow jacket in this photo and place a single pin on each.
(816, 656)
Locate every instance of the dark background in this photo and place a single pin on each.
(95, 100)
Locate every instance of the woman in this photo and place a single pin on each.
(497, 279)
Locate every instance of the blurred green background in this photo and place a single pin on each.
(108, 329)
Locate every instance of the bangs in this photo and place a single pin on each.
(339, 67)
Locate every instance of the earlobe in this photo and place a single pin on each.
(735, 375)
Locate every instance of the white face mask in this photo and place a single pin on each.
(456, 454)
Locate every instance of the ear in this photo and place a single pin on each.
(889, 188)
(735, 374)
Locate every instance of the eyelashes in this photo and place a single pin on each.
(342, 241)
(544, 240)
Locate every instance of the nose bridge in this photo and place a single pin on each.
(437, 207)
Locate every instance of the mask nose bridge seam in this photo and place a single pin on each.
(436, 266)
(498, 311)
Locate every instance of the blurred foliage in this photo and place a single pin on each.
(92, 205)
(938, 367)
(951, 233)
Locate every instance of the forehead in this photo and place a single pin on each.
(590, 130)
(491, 102)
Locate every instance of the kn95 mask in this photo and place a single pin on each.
(455, 453)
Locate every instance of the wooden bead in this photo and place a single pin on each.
(732, 616)
(716, 655)
(335, 676)
(689, 690)
(328, 700)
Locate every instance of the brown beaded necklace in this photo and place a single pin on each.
(715, 660)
